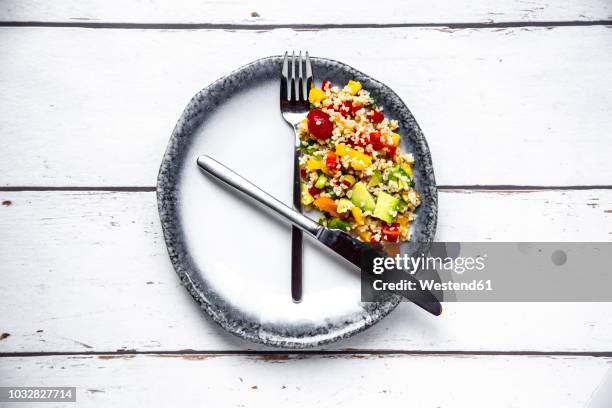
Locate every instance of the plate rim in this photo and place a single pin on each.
(166, 200)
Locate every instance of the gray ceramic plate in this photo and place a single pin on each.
(233, 257)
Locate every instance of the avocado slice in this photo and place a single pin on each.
(362, 198)
(402, 206)
(397, 173)
(376, 179)
(400, 176)
(344, 205)
(386, 207)
(321, 181)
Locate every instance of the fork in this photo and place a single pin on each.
(294, 108)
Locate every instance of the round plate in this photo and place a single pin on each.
(234, 257)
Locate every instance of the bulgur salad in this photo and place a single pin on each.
(351, 166)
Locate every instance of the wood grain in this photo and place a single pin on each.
(527, 106)
(305, 381)
(314, 12)
(88, 271)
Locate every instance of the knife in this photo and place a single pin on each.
(338, 241)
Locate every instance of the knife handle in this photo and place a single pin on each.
(232, 179)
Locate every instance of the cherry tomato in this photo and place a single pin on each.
(390, 232)
(391, 150)
(354, 108)
(377, 144)
(345, 109)
(374, 240)
(360, 140)
(364, 140)
(377, 117)
(331, 161)
(319, 124)
(325, 84)
(314, 191)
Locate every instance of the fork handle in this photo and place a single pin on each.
(296, 264)
(296, 233)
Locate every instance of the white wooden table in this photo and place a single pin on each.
(514, 97)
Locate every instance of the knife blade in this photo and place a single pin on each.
(341, 243)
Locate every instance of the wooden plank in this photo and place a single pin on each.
(356, 380)
(87, 271)
(529, 106)
(317, 12)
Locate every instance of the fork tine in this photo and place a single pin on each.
(293, 94)
(309, 77)
(284, 94)
(300, 82)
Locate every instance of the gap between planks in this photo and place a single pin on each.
(449, 188)
(269, 27)
(300, 354)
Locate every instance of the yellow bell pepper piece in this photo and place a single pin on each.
(396, 139)
(402, 220)
(316, 95)
(358, 215)
(326, 170)
(408, 169)
(355, 86)
(307, 198)
(365, 236)
(359, 160)
(404, 225)
(313, 164)
(342, 149)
